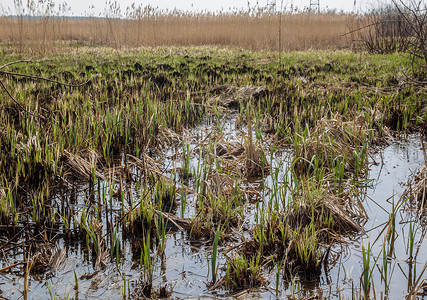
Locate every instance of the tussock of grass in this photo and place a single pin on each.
(301, 234)
(332, 142)
(240, 161)
(324, 209)
(230, 96)
(83, 166)
(155, 199)
(223, 195)
(167, 137)
(47, 258)
(243, 274)
(217, 210)
(227, 149)
(256, 163)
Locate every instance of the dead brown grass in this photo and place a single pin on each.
(416, 191)
(331, 139)
(255, 32)
(82, 166)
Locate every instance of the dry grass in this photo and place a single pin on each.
(338, 209)
(416, 191)
(230, 95)
(240, 29)
(329, 140)
(82, 167)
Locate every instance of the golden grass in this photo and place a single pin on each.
(299, 31)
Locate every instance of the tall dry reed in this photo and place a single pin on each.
(149, 27)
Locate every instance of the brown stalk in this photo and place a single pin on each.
(28, 267)
(11, 266)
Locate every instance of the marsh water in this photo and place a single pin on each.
(184, 268)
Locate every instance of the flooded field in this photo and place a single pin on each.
(195, 174)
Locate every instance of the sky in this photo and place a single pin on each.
(82, 7)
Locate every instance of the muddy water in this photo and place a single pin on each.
(184, 267)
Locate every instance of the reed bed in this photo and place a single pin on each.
(253, 30)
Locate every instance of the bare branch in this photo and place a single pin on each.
(34, 78)
(19, 104)
(47, 79)
(368, 26)
(15, 62)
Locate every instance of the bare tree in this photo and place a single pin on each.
(413, 14)
(399, 27)
(383, 31)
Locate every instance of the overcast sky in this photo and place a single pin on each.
(82, 7)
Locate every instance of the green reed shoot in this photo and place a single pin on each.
(367, 272)
(183, 201)
(413, 228)
(278, 271)
(124, 289)
(385, 270)
(115, 245)
(161, 226)
(185, 170)
(145, 258)
(214, 254)
(51, 289)
(76, 281)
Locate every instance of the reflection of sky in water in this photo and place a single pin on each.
(400, 162)
(397, 164)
